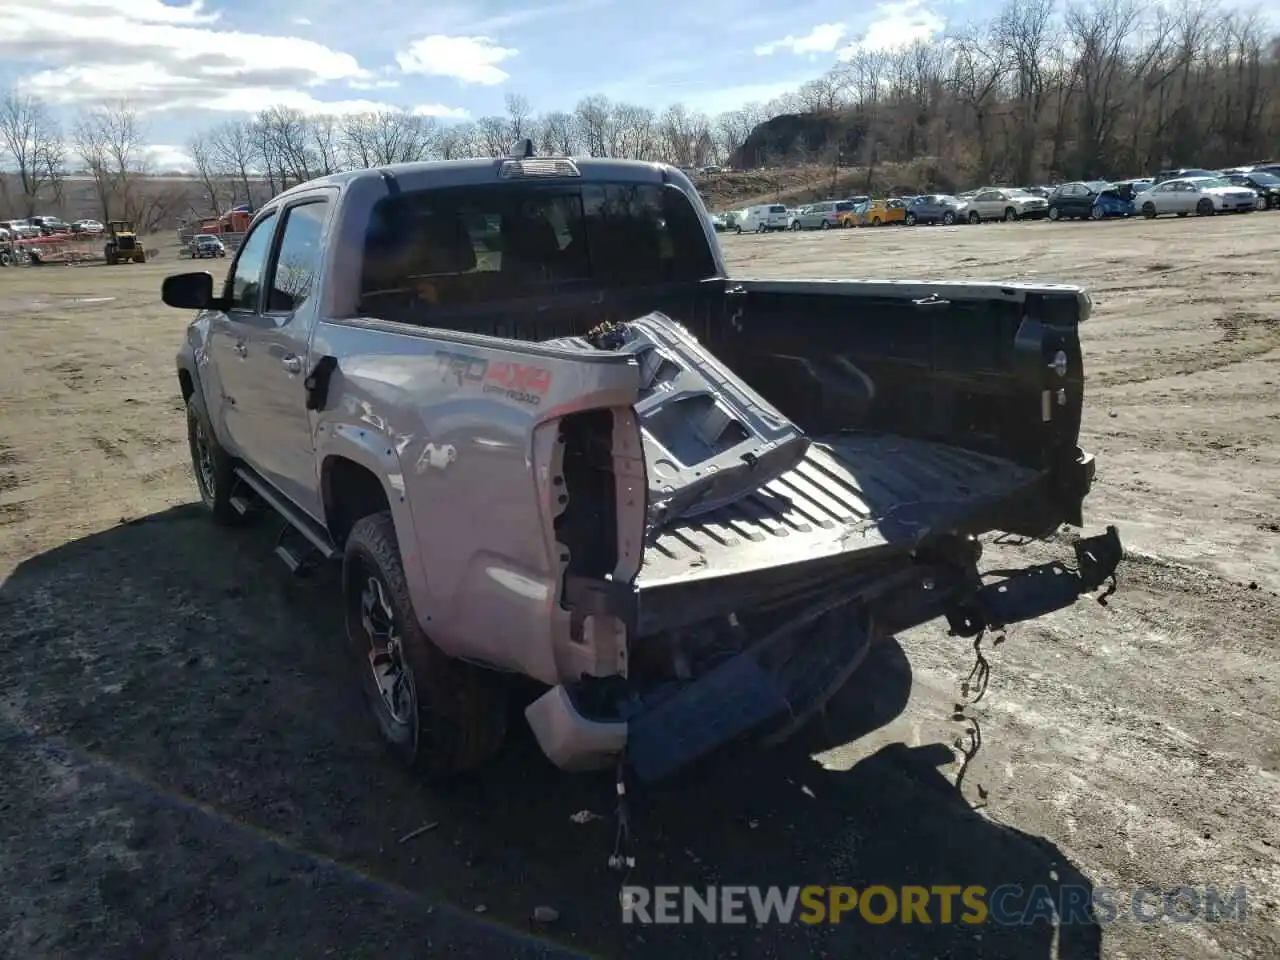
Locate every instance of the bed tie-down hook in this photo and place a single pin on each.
(931, 301)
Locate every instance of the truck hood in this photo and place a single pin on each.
(709, 439)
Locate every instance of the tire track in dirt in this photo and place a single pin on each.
(1243, 335)
(12, 480)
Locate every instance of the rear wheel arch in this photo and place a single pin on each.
(349, 492)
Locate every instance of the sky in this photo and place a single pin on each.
(186, 66)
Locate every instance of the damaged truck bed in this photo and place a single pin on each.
(820, 543)
(523, 404)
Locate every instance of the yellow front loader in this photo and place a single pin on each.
(124, 246)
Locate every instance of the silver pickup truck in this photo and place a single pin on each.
(545, 434)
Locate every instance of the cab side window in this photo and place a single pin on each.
(245, 283)
(298, 259)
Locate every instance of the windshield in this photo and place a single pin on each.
(1203, 182)
(469, 245)
(205, 237)
(1264, 178)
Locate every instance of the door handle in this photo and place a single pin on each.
(292, 364)
(242, 348)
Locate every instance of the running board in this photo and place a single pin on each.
(308, 528)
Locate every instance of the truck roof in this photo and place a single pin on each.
(430, 173)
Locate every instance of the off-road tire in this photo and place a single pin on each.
(1204, 208)
(460, 720)
(215, 491)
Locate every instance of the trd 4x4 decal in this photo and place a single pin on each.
(521, 382)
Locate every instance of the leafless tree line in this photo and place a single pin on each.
(1100, 88)
(107, 142)
(289, 147)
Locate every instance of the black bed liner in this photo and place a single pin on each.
(851, 493)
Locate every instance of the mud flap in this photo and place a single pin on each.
(786, 676)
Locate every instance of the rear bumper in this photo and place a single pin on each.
(777, 683)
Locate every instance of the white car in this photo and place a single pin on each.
(1203, 196)
(1005, 203)
(87, 226)
(763, 218)
(21, 230)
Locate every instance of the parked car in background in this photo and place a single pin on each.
(718, 222)
(823, 215)
(48, 226)
(1005, 203)
(1043, 192)
(86, 226)
(935, 208)
(881, 212)
(207, 245)
(1089, 199)
(1203, 196)
(1266, 185)
(1181, 174)
(851, 211)
(762, 218)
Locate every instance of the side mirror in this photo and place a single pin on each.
(188, 291)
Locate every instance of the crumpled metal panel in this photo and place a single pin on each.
(709, 438)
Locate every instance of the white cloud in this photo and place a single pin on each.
(460, 18)
(302, 21)
(440, 111)
(161, 57)
(168, 156)
(898, 25)
(469, 59)
(823, 38)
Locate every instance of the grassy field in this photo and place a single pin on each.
(187, 770)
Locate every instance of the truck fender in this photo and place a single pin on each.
(193, 388)
(377, 452)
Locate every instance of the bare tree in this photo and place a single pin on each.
(204, 158)
(31, 139)
(110, 139)
(520, 119)
(232, 150)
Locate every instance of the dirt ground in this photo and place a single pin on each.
(185, 770)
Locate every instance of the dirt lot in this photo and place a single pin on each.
(186, 771)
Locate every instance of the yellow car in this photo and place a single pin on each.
(881, 212)
(851, 215)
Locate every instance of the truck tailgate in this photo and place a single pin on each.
(852, 492)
